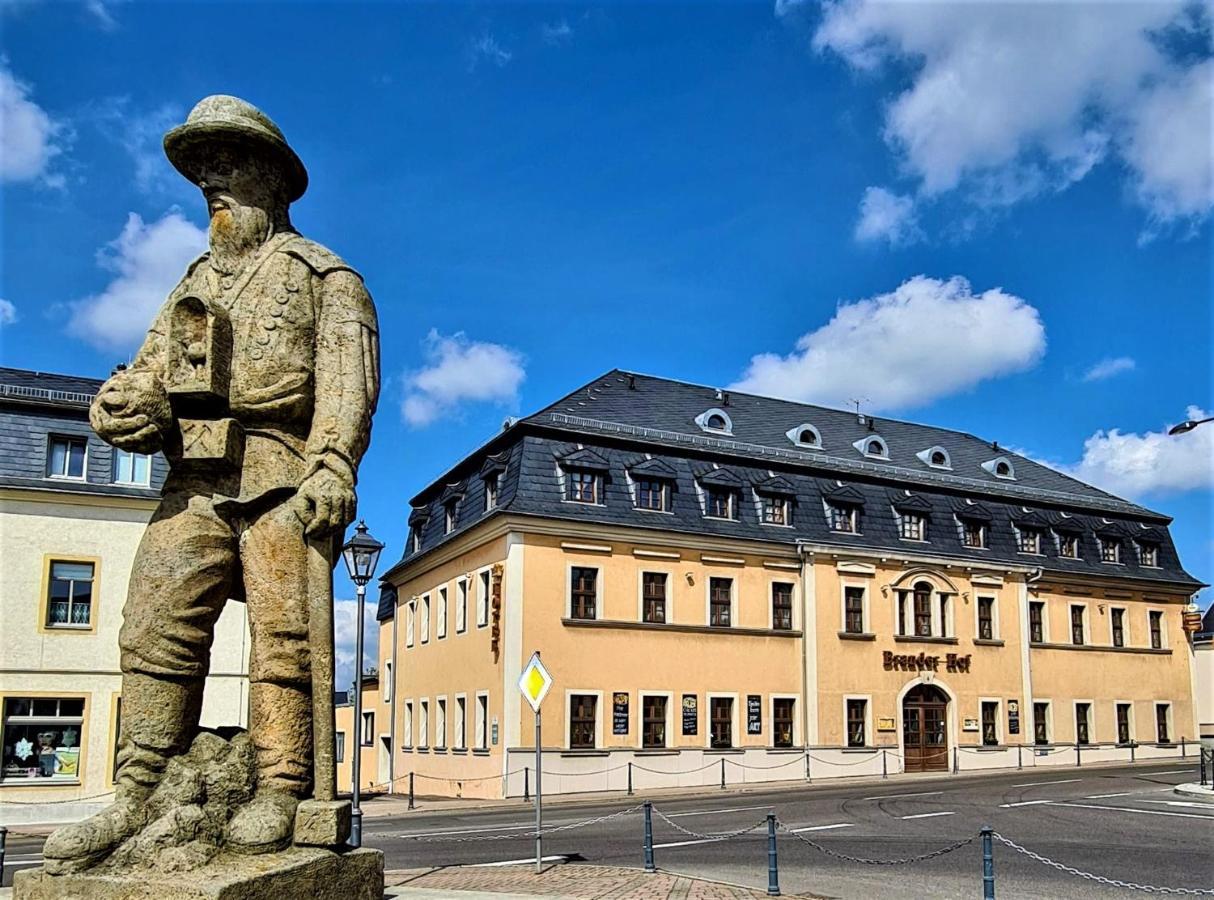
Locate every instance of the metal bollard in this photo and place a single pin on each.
(650, 868)
(526, 784)
(1078, 755)
(1019, 763)
(773, 868)
(630, 779)
(410, 790)
(809, 777)
(988, 865)
(1182, 753)
(884, 769)
(1133, 747)
(3, 843)
(722, 773)
(956, 760)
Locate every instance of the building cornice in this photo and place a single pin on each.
(79, 498)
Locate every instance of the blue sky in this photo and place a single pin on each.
(990, 218)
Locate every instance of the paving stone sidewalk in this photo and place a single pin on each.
(566, 882)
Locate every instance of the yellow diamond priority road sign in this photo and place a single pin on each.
(534, 682)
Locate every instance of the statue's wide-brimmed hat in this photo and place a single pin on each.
(220, 118)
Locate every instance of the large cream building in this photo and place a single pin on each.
(72, 511)
(729, 586)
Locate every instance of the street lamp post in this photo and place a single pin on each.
(361, 554)
(1184, 427)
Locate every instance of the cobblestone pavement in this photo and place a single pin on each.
(582, 882)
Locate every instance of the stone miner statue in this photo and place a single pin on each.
(258, 380)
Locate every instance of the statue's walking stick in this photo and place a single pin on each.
(320, 637)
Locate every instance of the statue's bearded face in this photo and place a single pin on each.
(244, 201)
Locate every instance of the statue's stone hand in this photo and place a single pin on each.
(131, 411)
(325, 502)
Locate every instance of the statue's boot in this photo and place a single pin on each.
(159, 716)
(280, 720)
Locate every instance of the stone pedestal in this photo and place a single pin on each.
(298, 872)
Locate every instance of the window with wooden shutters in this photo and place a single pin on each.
(721, 721)
(1118, 622)
(990, 724)
(581, 721)
(1037, 622)
(583, 588)
(720, 599)
(1077, 629)
(853, 610)
(653, 726)
(653, 596)
(923, 609)
(782, 721)
(857, 714)
(781, 606)
(986, 618)
(1155, 618)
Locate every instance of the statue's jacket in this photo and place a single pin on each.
(304, 367)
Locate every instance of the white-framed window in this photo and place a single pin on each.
(426, 618)
(41, 739)
(423, 723)
(916, 615)
(440, 723)
(775, 509)
(460, 734)
(67, 457)
(132, 468)
(482, 720)
(912, 526)
(990, 721)
(492, 482)
(410, 621)
(1085, 725)
(715, 421)
(854, 607)
(449, 511)
(986, 608)
(843, 517)
(1043, 722)
(651, 494)
(935, 457)
(1001, 467)
(1068, 545)
(857, 720)
(973, 533)
(583, 598)
(805, 435)
(784, 726)
(440, 624)
(720, 502)
(482, 599)
(368, 729)
(1028, 539)
(719, 599)
(385, 683)
(1148, 555)
(69, 594)
(407, 725)
(461, 605)
(339, 746)
(873, 446)
(1110, 550)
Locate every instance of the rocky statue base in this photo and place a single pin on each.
(180, 852)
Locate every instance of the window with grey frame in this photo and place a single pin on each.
(492, 483)
(1068, 545)
(66, 456)
(1148, 555)
(1028, 539)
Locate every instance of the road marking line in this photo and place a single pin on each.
(1024, 803)
(412, 834)
(1041, 783)
(929, 815)
(1187, 803)
(1166, 772)
(1130, 809)
(1105, 796)
(820, 827)
(688, 843)
(514, 862)
(709, 812)
(20, 860)
(893, 796)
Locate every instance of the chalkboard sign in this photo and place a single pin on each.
(1013, 717)
(619, 713)
(691, 714)
(754, 714)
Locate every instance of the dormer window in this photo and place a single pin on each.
(843, 517)
(1148, 554)
(583, 486)
(1110, 550)
(1000, 467)
(1028, 539)
(491, 486)
(449, 517)
(652, 494)
(775, 510)
(912, 526)
(720, 502)
(973, 534)
(873, 447)
(936, 457)
(716, 421)
(805, 435)
(1068, 545)
(415, 541)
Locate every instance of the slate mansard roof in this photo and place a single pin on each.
(624, 425)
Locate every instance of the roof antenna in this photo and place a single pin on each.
(859, 415)
(632, 382)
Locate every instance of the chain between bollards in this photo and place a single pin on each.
(650, 868)
(988, 865)
(773, 868)
(411, 791)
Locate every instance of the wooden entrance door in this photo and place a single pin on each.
(925, 729)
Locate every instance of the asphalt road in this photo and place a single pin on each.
(1122, 823)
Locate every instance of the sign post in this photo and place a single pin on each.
(534, 684)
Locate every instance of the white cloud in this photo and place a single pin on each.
(887, 216)
(345, 621)
(1009, 100)
(140, 134)
(486, 48)
(1108, 367)
(28, 137)
(8, 312)
(787, 7)
(1132, 465)
(147, 261)
(100, 11)
(458, 371)
(556, 32)
(901, 350)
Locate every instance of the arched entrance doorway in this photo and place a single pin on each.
(925, 729)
